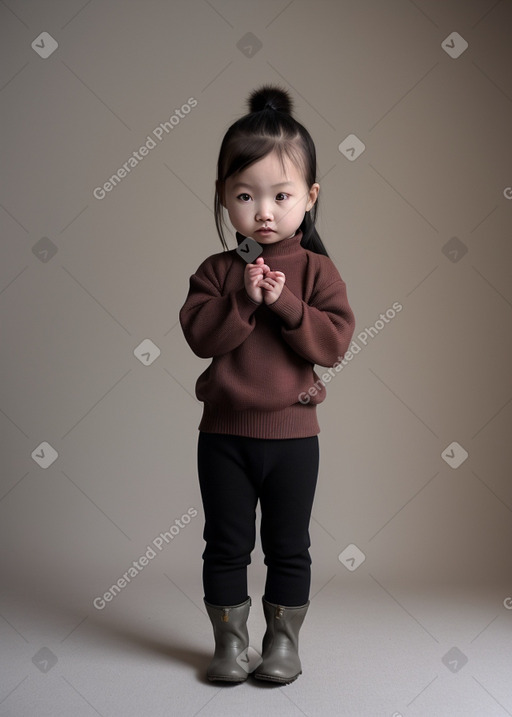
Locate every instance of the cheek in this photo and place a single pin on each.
(241, 210)
(238, 214)
(295, 209)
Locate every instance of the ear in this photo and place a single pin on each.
(313, 195)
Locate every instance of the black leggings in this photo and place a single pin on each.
(234, 471)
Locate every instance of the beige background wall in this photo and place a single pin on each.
(422, 217)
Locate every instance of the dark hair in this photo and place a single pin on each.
(269, 126)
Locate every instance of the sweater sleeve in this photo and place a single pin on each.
(320, 331)
(214, 323)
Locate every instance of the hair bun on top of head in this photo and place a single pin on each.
(270, 97)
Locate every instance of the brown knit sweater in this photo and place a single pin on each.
(263, 356)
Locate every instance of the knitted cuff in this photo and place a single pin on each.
(246, 306)
(288, 307)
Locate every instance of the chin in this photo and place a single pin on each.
(268, 240)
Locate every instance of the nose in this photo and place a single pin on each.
(264, 213)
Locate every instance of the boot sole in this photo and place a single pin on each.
(281, 680)
(215, 678)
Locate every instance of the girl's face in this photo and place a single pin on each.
(262, 196)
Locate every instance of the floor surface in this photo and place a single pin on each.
(367, 649)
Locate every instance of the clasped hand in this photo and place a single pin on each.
(261, 284)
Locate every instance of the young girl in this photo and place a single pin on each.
(264, 324)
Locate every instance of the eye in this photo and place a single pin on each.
(246, 197)
(281, 194)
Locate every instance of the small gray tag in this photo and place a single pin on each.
(249, 250)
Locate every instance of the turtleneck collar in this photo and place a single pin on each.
(290, 245)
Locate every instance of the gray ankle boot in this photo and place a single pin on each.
(231, 641)
(280, 656)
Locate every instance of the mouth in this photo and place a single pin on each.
(265, 230)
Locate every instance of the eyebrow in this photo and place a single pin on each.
(249, 186)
